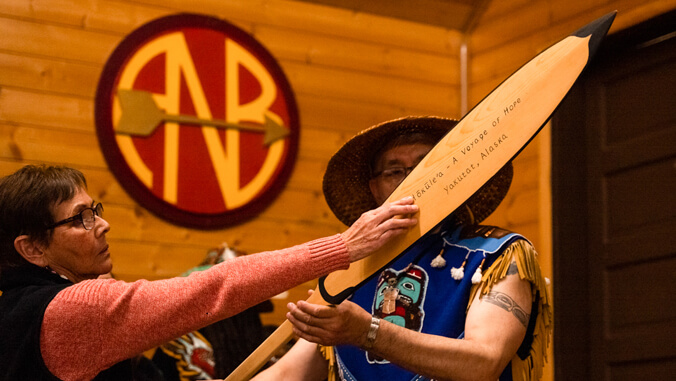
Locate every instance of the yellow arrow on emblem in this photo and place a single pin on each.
(141, 117)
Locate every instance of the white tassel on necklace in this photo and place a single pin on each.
(439, 262)
(476, 278)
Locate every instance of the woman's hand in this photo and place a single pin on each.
(374, 228)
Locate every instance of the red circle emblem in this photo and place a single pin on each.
(197, 121)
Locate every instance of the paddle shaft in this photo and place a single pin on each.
(282, 335)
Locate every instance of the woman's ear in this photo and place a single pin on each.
(30, 250)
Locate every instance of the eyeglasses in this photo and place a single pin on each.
(394, 174)
(86, 216)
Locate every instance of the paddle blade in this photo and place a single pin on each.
(597, 30)
(482, 142)
(486, 139)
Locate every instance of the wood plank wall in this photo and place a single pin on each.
(348, 71)
(509, 33)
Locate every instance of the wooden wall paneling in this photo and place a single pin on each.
(576, 9)
(51, 40)
(385, 60)
(522, 207)
(318, 19)
(342, 115)
(490, 67)
(122, 17)
(267, 234)
(525, 175)
(102, 185)
(526, 172)
(48, 75)
(431, 64)
(503, 60)
(259, 234)
(364, 87)
(136, 259)
(499, 9)
(65, 12)
(515, 23)
(518, 207)
(454, 14)
(299, 205)
(479, 90)
(319, 144)
(45, 110)
(349, 117)
(371, 27)
(531, 230)
(22, 142)
(307, 173)
(307, 210)
(111, 16)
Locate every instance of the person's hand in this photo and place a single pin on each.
(374, 228)
(346, 323)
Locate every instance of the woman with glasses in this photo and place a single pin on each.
(57, 320)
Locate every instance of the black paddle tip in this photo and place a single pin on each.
(597, 29)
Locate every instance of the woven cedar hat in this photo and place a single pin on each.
(346, 180)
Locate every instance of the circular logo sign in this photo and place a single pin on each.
(197, 121)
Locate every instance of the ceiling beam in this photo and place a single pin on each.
(451, 14)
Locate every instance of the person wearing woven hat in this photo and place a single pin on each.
(464, 302)
(58, 320)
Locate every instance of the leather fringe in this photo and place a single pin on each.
(328, 354)
(525, 256)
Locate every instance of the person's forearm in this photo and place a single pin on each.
(493, 333)
(302, 362)
(117, 320)
(436, 357)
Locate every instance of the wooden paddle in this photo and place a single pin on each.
(141, 117)
(487, 138)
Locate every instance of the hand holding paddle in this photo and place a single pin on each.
(374, 228)
(345, 323)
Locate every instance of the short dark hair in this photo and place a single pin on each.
(27, 199)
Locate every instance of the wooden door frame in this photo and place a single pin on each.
(574, 327)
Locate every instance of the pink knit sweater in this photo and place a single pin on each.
(94, 324)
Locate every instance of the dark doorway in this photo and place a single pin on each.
(614, 210)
